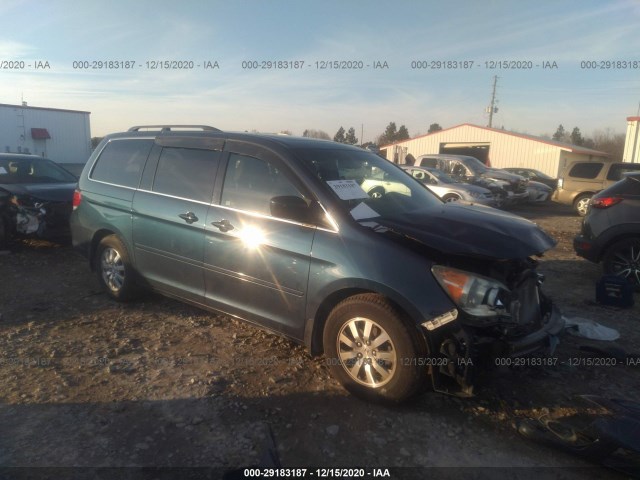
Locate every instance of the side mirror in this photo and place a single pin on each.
(290, 208)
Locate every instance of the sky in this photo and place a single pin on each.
(592, 47)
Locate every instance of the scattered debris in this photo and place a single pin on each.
(612, 439)
(582, 327)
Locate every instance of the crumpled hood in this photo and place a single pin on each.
(46, 192)
(460, 229)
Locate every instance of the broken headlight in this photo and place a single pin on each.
(475, 294)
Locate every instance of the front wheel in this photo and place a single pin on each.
(114, 269)
(371, 351)
(623, 259)
(376, 192)
(451, 197)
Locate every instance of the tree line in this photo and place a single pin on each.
(602, 140)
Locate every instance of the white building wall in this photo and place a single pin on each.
(506, 149)
(70, 132)
(632, 142)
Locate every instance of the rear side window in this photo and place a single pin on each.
(429, 162)
(186, 173)
(122, 161)
(616, 171)
(585, 170)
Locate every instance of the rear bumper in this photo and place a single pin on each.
(585, 248)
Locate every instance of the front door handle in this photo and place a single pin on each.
(189, 217)
(223, 225)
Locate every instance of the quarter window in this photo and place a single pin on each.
(250, 184)
(186, 173)
(585, 170)
(121, 162)
(616, 171)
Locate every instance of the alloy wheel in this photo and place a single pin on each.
(367, 352)
(626, 262)
(112, 268)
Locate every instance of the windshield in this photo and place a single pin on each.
(473, 164)
(368, 186)
(14, 170)
(542, 175)
(442, 177)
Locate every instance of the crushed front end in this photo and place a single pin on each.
(29, 216)
(500, 313)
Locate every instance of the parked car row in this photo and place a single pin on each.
(491, 186)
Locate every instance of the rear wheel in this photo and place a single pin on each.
(372, 351)
(114, 269)
(623, 259)
(581, 204)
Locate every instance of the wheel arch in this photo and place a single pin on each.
(579, 195)
(95, 241)
(613, 235)
(314, 328)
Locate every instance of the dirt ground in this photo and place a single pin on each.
(87, 382)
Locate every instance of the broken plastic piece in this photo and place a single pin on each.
(583, 327)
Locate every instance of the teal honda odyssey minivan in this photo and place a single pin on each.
(327, 244)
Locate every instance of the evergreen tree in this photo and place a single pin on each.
(350, 138)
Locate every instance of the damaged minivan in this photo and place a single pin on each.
(393, 289)
(35, 197)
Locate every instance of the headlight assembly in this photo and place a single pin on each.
(475, 294)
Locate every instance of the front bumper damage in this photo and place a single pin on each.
(39, 219)
(459, 347)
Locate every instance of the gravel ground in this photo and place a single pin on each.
(87, 382)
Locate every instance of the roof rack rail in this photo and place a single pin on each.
(168, 128)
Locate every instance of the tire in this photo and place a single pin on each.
(581, 204)
(114, 269)
(376, 192)
(4, 234)
(364, 331)
(623, 259)
(451, 197)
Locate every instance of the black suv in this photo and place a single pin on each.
(611, 229)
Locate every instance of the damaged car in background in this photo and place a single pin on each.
(36, 197)
(509, 188)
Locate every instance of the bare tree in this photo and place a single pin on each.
(311, 133)
(609, 142)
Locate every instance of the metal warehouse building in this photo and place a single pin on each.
(499, 148)
(61, 135)
(632, 142)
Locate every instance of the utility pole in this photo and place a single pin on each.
(361, 134)
(492, 108)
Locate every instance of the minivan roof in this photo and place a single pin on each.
(259, 138)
